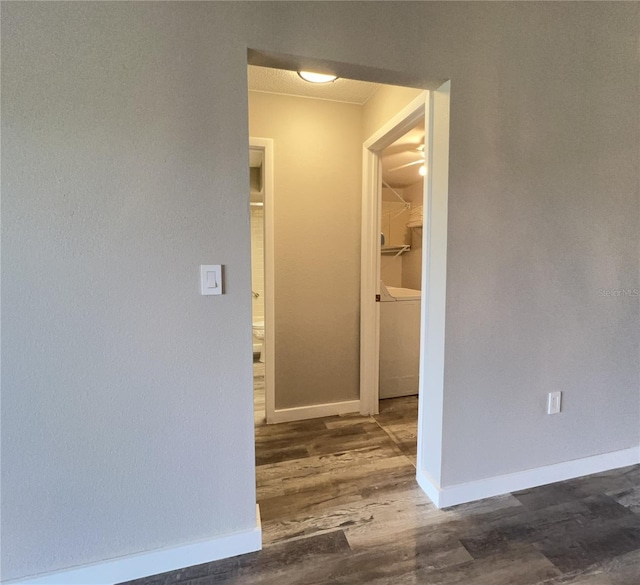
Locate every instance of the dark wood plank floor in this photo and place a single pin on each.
(340, 505)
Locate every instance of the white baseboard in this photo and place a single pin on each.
(444, 497)
(429, 486)
(314, 411)
(153, 562)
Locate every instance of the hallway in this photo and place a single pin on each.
(311, 473)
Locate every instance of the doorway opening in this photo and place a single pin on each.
(314, 354)
(403, 168)
(262, 277)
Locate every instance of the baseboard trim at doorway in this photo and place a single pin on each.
(314, 411)
(149, 563)
(444, 497)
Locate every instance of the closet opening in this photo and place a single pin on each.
(401, 223)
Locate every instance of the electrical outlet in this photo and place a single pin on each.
(555, 402)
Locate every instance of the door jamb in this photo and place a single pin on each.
(434, 295)
(435, 107)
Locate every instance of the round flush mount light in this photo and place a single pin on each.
(312, 77)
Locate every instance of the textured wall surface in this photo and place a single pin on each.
(126, 396)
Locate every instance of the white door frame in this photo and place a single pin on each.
(433, 106)
(372, 149)
(265, 145)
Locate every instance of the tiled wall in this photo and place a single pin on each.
(257, 261)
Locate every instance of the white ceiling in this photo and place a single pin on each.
(290, 83)
(401, 152)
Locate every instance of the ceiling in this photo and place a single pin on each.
(401, 152)
(290, 83)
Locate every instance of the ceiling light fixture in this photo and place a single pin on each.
(422, 170)
(312, 77)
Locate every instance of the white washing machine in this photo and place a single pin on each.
(399, 341)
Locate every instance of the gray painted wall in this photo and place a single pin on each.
(126, 403)
(126, 396)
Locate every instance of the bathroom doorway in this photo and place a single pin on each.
(262, 293)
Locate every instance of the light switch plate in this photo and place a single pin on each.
(554, 403)
(210, 279)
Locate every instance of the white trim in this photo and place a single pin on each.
(266, 145)
(434, 107)
(434, 284)
(429, 487)
(153, 562)
(399, 125)
(315, 411)
(444, 497)
(314, 97)
(369, 283)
